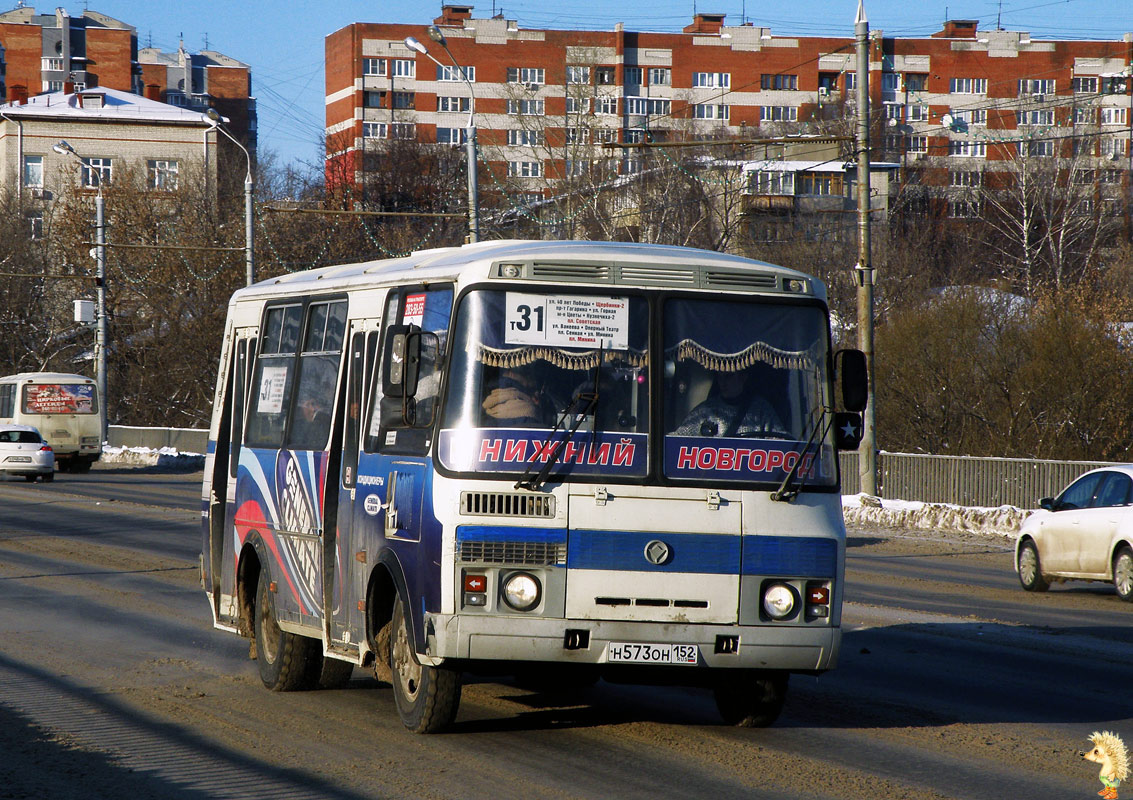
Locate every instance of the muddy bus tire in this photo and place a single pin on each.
(334, 673)
(426, 697)
(751, 699)
(287, 661)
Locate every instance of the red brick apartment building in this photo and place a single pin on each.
(56, 52)
(954, 103)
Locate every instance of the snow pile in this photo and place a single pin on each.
(864, 510)
(164, 458)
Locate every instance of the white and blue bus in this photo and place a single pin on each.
(559, 460)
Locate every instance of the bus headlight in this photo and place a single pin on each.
(522, 591)
(778, 601)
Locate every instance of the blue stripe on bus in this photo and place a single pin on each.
(790, 556)
(504, 533)
(210, 448)
(625, 550)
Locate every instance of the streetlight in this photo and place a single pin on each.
(469, 131)
(249, 185)
(64, 149)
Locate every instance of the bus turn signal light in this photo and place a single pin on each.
(475, 583)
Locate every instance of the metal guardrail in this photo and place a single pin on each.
(964, 480)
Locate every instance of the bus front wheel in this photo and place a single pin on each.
(287, 662)
(751, 699)
(426, 697)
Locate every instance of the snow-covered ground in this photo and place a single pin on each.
(860, 510)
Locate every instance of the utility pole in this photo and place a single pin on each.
(867, 453)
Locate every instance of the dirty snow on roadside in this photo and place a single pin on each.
(864, 510)
(166, 457)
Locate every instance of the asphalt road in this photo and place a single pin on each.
(953, 683)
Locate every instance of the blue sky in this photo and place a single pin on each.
(283, 41)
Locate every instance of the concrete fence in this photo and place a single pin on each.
(966, 481)
(185, 440)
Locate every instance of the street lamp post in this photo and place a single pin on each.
(469, 131)
(249, 186)
(64, 149)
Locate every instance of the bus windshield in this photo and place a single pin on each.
(524, 364)
(745, 389)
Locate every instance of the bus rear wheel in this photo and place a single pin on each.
(287, 662)
(751, 699)
(426, 697)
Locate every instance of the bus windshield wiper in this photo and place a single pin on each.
(588, 403)
(787, 491)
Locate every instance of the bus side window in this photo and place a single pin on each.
(7, 400)
(275, 365)
(430, 310)
(318, 375)
(239, 390)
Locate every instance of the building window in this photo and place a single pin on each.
(1109, 175)
(917, 144)
(822, 184)
(33, 172)
(403, 67)
(525, 107)
(634, 136)
(604, 76)
(451, 136)
(631, 165)
(605, 135)
(605, 105)
(162, 174)
(522, 138)
(790, 82)
(915, 81)
(574, 167)
(453, 74)
(1033, 86)
(967, 148)
(916, 113)
(771, 182)
(576, 135)
(374, 66)
(970, 116)
(176, 99)
(529, 75)
(778, 114)
(964, 208)
(1041, 147)
(1114, 116)
(53, 64)
(645, 106)
(404, 100)
(374, 99)
(1085, 116)
(968, 86)
(965, 178)
(1084, 85)
(1111, 148)
(53, 86)
(576, 74)
(578, 105)
(389, 130)
(96, 172)
(1042, 116)
(524, 169)
(454, 104)
(660, 76)
(1113, 85)
(893, 111)
(373, 130)
(35, 224)
(711, 80)
(633, 76)
(851, 81)
(890, 81)
(710, 111)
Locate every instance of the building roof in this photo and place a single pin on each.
(115, 106)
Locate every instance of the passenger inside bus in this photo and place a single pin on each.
(735, 406)
(518, 399)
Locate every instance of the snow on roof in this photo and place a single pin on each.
(829, 165)
(115, 105)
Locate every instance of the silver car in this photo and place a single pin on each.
(24, 452)
(1086, 533)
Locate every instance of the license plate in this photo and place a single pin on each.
(20, 459)
(638, 653)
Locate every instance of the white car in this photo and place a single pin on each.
(1086, 533)
(24, 451)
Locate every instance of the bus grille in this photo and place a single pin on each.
(507, 505)
(527, 553)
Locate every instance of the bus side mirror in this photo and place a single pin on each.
(402, 361)
(854, 378)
